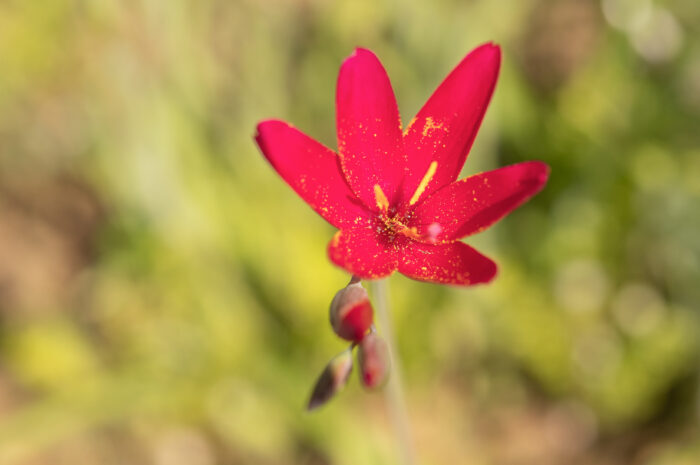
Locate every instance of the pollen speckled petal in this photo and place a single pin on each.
(443, 131)
(370, 142)
(451, 263)
(473, 204)
(312, 170)
(363, 252)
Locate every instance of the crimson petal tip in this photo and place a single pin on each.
(489, 47)
(359, 53)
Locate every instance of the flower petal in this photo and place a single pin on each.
(363, 252)
(312, 170)
(451, 263)
(438, 139)
(370, 143)
(471, 205)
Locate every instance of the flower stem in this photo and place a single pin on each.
(394, 389)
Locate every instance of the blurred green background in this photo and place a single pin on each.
(163, 294)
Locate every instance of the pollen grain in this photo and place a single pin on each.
(430, 124)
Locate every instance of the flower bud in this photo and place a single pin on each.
(332, 380)
(351, 312)
(374, 361)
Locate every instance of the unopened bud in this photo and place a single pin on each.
(351, 312)
(332, 380)
(374, 361)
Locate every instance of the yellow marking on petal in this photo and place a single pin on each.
(410, 123)
(430, 124)
(424, 182)
(336, 239)
(382, 202)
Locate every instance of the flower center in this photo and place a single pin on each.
(396, 225)
(392, 224)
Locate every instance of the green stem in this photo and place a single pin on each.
(394, 388)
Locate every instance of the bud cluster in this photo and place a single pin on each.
(352, 319)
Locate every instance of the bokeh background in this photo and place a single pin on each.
(163, 294)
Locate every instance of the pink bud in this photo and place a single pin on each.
(332, 380)
(351, 312)
(373, 358)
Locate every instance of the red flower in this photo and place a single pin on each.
(393, 194)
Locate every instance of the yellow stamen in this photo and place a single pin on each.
(423, 183)
(382, 202)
